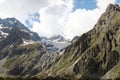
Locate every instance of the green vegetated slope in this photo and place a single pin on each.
(95, 54)
(23, 60)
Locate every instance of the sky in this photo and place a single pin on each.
(68, 18)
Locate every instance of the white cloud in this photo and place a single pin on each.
(56, 16)
(20, 8)
(102, 4)
(53, 18)
(60, 19)
(81, 21)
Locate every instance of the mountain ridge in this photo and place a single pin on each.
(94, 53)
(21, 50)
(8, 23)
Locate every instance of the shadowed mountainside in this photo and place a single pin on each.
(95, 54)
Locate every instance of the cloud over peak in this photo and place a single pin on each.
(61, 19)
(102, 4)
(54, 17)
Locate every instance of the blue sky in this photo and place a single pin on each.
(118, 1)
(32, 18)
(85, 4)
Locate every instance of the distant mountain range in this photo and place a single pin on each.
(91, 56)
(55, 43)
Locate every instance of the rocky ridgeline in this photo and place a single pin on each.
(95, 54)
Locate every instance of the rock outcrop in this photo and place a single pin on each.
(95, 54)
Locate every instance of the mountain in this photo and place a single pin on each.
(9, 23)
(55, 43)
(93, 55)
(21, 51)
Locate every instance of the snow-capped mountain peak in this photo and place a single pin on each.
(7, 24)
(55, 43)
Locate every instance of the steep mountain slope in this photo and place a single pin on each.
(22, 54)
(8, 23)
(55, 43)
(95, 54)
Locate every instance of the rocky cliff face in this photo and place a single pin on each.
(22, 54)
(56, 43)
(9, 23)
(95, 54)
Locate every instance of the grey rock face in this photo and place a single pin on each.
(95, 54)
